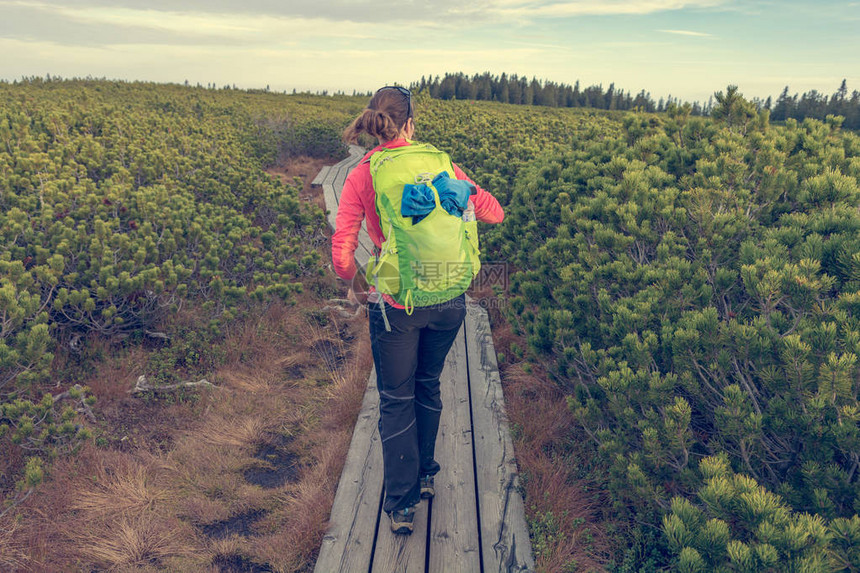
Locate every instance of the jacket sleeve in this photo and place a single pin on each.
(350, 213)
(487, 208)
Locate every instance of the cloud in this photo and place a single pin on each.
(632, 44)
(253, 28)
(414, 13)
(687, 33)
(533, 9)
(359, 11)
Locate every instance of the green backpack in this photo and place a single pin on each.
(423, 263)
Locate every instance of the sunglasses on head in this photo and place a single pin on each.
(405, 92)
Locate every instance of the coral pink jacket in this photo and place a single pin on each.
(358, 201)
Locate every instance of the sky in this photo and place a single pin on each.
(688, 49)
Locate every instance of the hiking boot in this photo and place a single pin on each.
(401, 520)
(427, 489)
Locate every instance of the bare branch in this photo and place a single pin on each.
(143, 385)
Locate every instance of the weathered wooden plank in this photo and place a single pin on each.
(364, 239)
(366, 245)
(330, 203)
(504, 533)
(348, 543)
(454, 542)
(331, 195)
(340, 179)
(356, 153)
(401, 553)
(329, 172)
(362, 255)
(332, 175)
(331, 179)
(318, 180)
(333, 185)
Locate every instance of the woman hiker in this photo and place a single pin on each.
(409, 343)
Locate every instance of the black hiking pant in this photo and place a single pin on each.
(409, 360)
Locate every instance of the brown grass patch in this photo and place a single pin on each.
(119, 484)
(305, 168)
(190, 506)
(109, 381)
(312, 503)
(107, 508)
(232, 429)
(12, 555)
(142, 538)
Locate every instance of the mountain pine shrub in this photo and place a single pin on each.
(122, 202)
(694, 284)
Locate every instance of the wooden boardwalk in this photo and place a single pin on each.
(476, 522)
(331, 179)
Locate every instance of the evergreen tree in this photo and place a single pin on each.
(577, 96)
(537, 92)
(610, 101)
(515, 90)
(448, 87)
(528, 92)
(485, 88)
(504, 90)
(732, 108)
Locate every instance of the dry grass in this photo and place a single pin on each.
(141, 508)
(108, 509)
(11, 464)
(119, 485)
(233, 429)
(108, 382)
(135, 539)
(12, 555)
(302, 520)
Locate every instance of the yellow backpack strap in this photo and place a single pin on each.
(407, 303)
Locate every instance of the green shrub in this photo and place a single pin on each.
(735, 524)
(120, 203)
